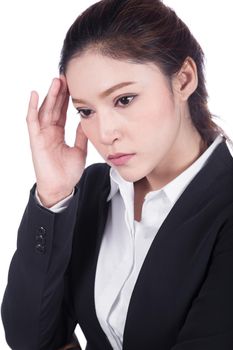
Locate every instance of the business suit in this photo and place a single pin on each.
(183, 297)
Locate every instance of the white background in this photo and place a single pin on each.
(31, 37)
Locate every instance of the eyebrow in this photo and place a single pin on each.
(108, 91)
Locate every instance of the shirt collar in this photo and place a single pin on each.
(118, 183)
(174, 188)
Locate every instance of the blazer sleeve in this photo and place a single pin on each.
(209, 323)
(37, 310)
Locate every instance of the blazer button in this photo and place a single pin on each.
(42, 231)
(40, 239)
(40, 248)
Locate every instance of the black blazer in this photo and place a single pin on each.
(183, 297)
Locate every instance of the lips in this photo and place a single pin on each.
(118, 155)
(120, 160)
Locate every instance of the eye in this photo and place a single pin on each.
(124, 100)
(84, 113)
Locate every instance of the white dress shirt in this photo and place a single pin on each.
(126, 242)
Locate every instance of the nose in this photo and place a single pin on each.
(109, 127)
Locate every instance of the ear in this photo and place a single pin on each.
(185, 81)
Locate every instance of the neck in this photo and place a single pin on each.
(182, 154)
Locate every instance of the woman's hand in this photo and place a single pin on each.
(58, 167)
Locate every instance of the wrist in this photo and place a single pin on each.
(48, 200)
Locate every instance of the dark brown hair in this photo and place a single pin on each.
(142, 31)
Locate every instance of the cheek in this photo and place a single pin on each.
(165, 112)
(157, 109)
(159, 125)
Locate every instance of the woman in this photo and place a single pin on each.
(137, 250)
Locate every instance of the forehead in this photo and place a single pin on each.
(92, 63)
(93, 72)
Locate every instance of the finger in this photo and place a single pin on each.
(60, 100)
(46, 109)
(63, 114)
(81, 139)
(45, 101)
(32, 115)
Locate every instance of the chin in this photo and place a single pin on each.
(130, 176)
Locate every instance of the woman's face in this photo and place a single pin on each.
(126, 108)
